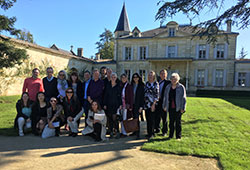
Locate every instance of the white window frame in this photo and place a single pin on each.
(201, 77)
(171, 32)
(144, 79)
(171, 52)
(127, 53)
(128, 74)
(202, 48)
(220, 53)
(242, 78)
(142, 52)
(219, 77)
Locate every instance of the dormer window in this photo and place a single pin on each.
(171, 32)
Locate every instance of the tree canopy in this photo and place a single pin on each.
(239, 13)
(105, 45)
(25, 35)
(9, 55)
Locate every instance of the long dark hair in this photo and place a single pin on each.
(28, 102)
(140, 82)
(74, 74)
(98, 106)
(37, 101)
(69, 88)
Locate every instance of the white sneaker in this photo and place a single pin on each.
(21, 134)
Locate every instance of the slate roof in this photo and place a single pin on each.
(123, 23)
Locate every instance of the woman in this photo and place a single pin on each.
(77, 86)
(138, 91)
(72, 111)
(39, 114)
(127, 101)
(175, 103)
(23, 108)
(55, 119)
(62, 85)
(112, 102)
(96, 122)
(151, 98)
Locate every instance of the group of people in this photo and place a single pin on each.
(50, 103)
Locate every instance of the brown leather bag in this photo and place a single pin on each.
(131, 125)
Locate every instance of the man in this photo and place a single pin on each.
(86, 104)
(50, 84)
(161, 114)
(95, 88)
(103, 72)
(33, 84)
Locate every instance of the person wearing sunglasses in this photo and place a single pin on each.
(138, 90)
(72, 111)
(55, 119)
(62, 85)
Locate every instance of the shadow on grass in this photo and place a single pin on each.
(8, 132)
(199, 121)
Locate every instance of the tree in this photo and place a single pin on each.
(105, 45)
(242, 53)
(9, 55)
(239, 13)
(25, 36)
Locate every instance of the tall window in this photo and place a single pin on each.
(200, 77)
(171, 32)
(220, 51)
(143, 53)
(242, 79)
(128, 73)
(202, 51)
(219, 77)
(142, 73)
(171, 51)
(127, 53)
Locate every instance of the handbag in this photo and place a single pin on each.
(131, 125)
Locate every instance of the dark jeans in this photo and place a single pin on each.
(86, 110)
(150, 117)
(97, 131)
(161, 114)
(175, 123)
(136, 116)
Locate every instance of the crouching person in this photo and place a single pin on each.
(96, 122)
(23, 107)
(54, 118)
(72, 110)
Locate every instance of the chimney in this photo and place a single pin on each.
(80, 52)
(71, 48)
(229, 25)
(97, 56)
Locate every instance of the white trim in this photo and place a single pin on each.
(215, 52)
(248, 79)
(196, 77)
(197, 51)
(167, 51)
(206, 77)
(147, 51)
(214, 77)
(236, 79)
(226, 51)
(138, 52)
(207, 51)
(225, 78)
(123, 53)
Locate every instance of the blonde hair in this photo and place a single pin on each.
(175, 75)
(153, 74)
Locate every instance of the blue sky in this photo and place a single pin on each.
(80, 22)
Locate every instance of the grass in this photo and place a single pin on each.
(7, 115)
(212, 127)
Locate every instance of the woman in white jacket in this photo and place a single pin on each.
(96, 122)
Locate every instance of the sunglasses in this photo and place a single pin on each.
(135, 77)
(61, 74)
(69, 91)
(53, 101)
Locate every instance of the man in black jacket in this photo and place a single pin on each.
(50, 85)
(161, 114)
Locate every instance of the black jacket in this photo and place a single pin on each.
(139, 98)
(72, 107)
(112, 96)
(50, 88)
(79, 91)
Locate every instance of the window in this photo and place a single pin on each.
(202, 52)
(201, 78)
(127, 53)
(142, 73)
(128, 73)
(219, 77)
(171, 51)
(242, 79)
(220, 51)
(142, 53)
(171, 32)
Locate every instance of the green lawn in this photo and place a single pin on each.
(7, 115)
(212, 127)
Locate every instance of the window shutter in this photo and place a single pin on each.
(248, 79)
(138, 52)
(236, 79)
(206, 77)
(147, 51)
(225, 78)
(132, 53)
(226, 51)
(167, 51)
(196, 77)
(197, 51)
(215, 51)
(214, 77)
(123, 53)
(176, 51)
(207, 51)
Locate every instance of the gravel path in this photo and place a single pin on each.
(30, 152)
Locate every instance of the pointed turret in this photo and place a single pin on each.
(123, 27)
